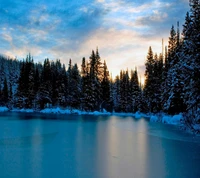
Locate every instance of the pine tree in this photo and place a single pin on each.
(135, 91)
(84, 83)
(10, 95)
(83, 68)
(172, 46)
(149, 82)
(94, 93)
(116, 94)
(105, 88)
(31, 74)
(45, 89)
(5, 92)
(124, 91)
(1, 96)
(25, 91)
(19, 102)
(158, 74)
(62, 87)
(172, 92)
(36, 79)
(75, 92)
(190, 58)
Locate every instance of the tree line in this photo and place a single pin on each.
(173, 79)
(25, 84)
(172, 82)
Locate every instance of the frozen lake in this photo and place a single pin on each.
(72, 146)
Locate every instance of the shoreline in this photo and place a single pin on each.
(58, 110)
(163, 118)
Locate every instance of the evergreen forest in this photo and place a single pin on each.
(172, 79)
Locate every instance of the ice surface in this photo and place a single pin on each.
(88, 146)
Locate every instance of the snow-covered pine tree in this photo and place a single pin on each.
(62, 86)
(135, 91)
(116, 94)
(124, 91)
(9, 68)
(191, 61)
(87, 93)
(150, 80)
(172, 97)
(75, 87)
(93, 90)
(58, 75)
(45, 89)
(5, 92)
(106, 102)
(31, 74)
(158, 74)
(84, 83)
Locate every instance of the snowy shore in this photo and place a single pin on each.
(177, 120)
(72, 111)
(3, 109)
(161, 117)
(166, 119)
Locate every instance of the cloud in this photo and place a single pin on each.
(136, 2)
(122, 29)
(7, 37)
(121, 49)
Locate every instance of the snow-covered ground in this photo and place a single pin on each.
(163, 118)
(174, 120)
(154, 118)
(73, 111)
(58, 110)
(3, 109)
(22, 110)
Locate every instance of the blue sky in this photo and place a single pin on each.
(63, 29)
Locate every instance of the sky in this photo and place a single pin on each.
(122, 30)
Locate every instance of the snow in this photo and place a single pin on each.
(138, 115)
(55, 111)
(22, 110)
(167, 119)
(58, 110)
(3, 109)
(154, 119)
(174, 120)
(73, 111)
(196, 126)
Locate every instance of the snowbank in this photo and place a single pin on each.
(174, 120)
(22, 110)
(196, 126)
(72, 111)
(98, 113)
(58, 110)
(138, 115)
(122, 114)
(3, 109)
(55, 111)
(154, 119)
